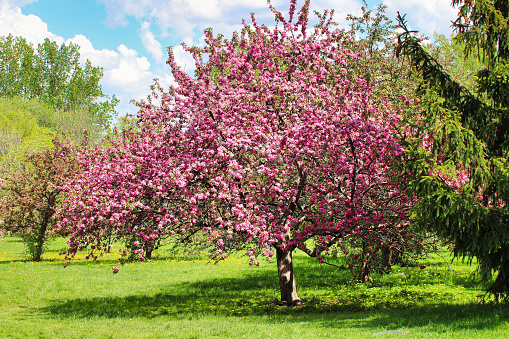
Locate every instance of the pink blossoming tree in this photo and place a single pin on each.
(272, 146)
(30, 195)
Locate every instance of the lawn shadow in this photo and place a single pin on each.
(255, 294)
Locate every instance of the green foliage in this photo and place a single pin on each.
(494, 83)
(54, 75)
(449, 53)
(391, 76)
(24, 127)
(483, 27)
(46, 89)
(466, 127)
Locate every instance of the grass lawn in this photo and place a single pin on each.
(184, 299)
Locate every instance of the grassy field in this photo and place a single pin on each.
(184, 299)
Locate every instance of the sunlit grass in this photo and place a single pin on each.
(199, 299)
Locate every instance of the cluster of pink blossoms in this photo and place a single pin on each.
(273, 144)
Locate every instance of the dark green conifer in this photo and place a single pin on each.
(468, 133)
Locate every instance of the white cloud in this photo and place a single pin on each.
(150, 43)
(341, 8)
(31, 27)
(105, 58)
(182, 18)
(130, 72)
(427, 16)
(18, 3)
(254, 4)
(126, 75)
(204, 9)
(184, 59)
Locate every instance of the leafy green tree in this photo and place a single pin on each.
(25, 127)
(450, 54)
(377, 47)
(17, 65)
(460, 148)
(22, 130)
(54, 75)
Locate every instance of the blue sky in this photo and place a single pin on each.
(129, 38)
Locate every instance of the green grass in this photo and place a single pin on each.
(184, 299)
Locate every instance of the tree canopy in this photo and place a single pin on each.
(461, 171)
(54, 74)
(24, 127)
(274, 145)
(29, 195)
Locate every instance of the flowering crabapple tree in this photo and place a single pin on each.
(30, 195)
(272, 146)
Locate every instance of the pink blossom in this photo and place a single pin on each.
(274, 143)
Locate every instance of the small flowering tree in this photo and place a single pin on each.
(29, 196)
(272, 146)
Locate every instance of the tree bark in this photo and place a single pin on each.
(500, 288)
(386, 259)
(148, 253)
(289, 295)
(39, 241)
(365, 272)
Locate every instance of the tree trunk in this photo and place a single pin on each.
(289, 295)
(25, 246)
(365, 272)
(148, 253)
(39, 242)
(397, 257)
(500, 288)
(386, 259)
(40, 236)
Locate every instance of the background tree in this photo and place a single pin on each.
(460, 170)
(392, 79)
(21, 131)
(450, 54)
(30, 195)
(54, 75)
(376, 33)
(271, 147)
(25, 127)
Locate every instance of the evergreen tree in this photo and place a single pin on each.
(459, 148)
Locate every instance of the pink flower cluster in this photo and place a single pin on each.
(272, 143)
